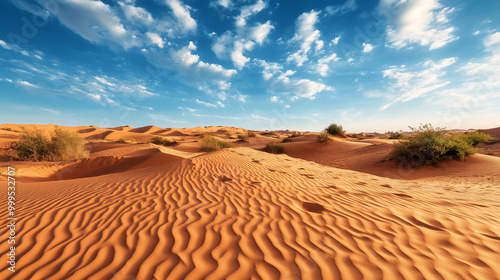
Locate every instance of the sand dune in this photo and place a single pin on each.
(142, 211)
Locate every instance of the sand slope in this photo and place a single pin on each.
(244, 214)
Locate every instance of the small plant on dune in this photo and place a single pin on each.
(126, 140)
(274, 148)
(395, 134)
(430, 145)
(269, 133)
(335, 129)
(6, 128)
(158, 140)
(295, 134)
(242, 138)
(324, 138)
(210, 143)
(477, 137)
(34, 146)
(251, 134)
(286, 140)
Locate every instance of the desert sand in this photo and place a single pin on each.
(334, 211)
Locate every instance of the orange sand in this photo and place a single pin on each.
(142, 211)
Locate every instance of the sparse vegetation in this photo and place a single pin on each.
(477, 137)
(324, 138)
(269, 133)
(395, 134)
(335, 129)
(126, 140)
(274, 148)
(210, 143)
(158, 140)
(286, 140)
(295, 134)
(251, 134)
(242, 138)
(34, 146)
(6, 128)
(430, 145)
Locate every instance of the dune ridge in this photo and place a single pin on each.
(241, 213)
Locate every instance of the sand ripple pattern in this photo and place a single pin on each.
(243, 214)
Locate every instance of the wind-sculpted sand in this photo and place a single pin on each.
(140, 211)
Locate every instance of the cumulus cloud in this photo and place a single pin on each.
(367, 48)
(247, 11)
(259, 32)
(422, 22)
(185, 22)
(306, 35)
(155, 39)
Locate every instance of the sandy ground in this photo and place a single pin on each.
(335, 211)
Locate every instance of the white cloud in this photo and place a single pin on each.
(28, 84)
(96, 21)
(306, 34)
(156, 39)
(348, 6)
(260, 31)
(274, 98)
(50, 111)
(4, 45)
(138, 14)
(323, 64)
(239, 60)
(247, 11)
(181, 12)
(269, 68)
(367, 48)
(207, 104)
(335, 41)
(423, 22)
(408, 85)
(103, 80)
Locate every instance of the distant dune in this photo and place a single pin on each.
(334, 211)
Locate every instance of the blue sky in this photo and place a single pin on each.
(368, 65)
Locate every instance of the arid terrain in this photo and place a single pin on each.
(342, 210)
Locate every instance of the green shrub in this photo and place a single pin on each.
(210, 143)
(475, 138)
(395, 134)
(429, 145)
(242, 138)
(126, 140)
(274, 148)
(286, 140)
(324, 138)
(158, 140)
(335, 129)
(33, 146)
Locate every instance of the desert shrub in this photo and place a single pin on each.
(286, 140)
(34, 146)
(126, 140)
(210, 143)
(251, 134)
(274, 148)
(395, 134)
(242, 138)
(384, 137)
(158, 140)
(475, 138)
(324, 138)
(335, 129)
(269, 133)
(6, 128)
(430, 145)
